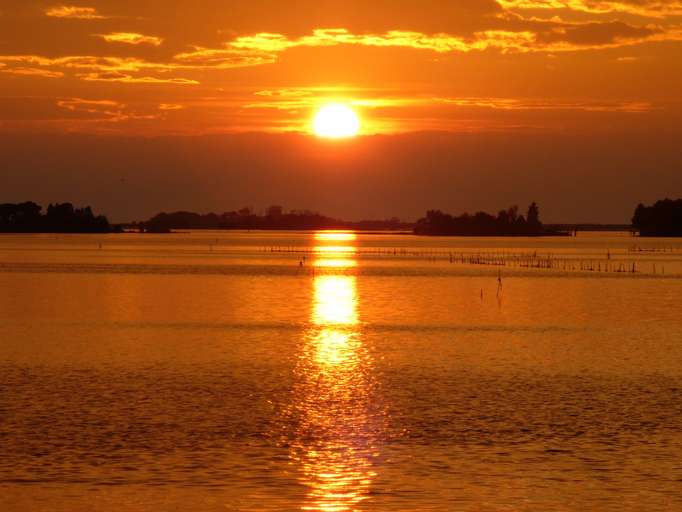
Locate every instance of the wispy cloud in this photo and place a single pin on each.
(83, 104)
(130, 79)
(103, 112)
(224, 58)
(274, 43)
(103, 63)
(553, 36)
(130, 38)
(289, 110)
(45, 73)
(74, 12)
(305, 98)
(104, 69)
(522, 104)
(529, 35)
(170, 106)
(646, 8)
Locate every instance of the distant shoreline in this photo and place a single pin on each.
(659, 220)
(375, 232)
(118, 229)
(125, 228)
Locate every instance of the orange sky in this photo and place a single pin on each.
(479, 67)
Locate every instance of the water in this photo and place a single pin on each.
(208, 371)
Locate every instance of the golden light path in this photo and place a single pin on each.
(335, 121)
(338, 236)
(330, 253)
(337, 433)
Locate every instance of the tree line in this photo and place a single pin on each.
(506, 223)
(27, 217)
(663, 218)
(275, 218)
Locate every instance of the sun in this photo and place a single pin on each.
(336, 120)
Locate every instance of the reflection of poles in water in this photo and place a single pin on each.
(481, 294)
(499, 288)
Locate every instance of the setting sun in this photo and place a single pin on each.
(335, 121)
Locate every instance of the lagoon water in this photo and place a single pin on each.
(336, 371)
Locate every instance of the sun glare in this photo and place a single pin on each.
(336, 121)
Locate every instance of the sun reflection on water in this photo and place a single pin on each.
(335, 300)
(338, 236)
(325, 251)
(335, 263)
(336, 433)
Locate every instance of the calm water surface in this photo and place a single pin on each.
(338, 372)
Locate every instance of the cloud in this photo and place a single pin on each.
(539, 36)
(274, 43)
(170, 106)
(597, 35)
(103, 110)
(284, 93)
(85, 62)
(130, 79)
(306, 98)
(74, 12)
(513, 34)
(46, 73)
(264, 48)
(102, 113)
(383, 111)
(520, 104)
(82, 104)
(130, 38)
(646, 8)
(224, 58)
(104, 69)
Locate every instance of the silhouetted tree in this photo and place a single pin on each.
(274, 211)
(59, 218)
(664, 218)
(507, 222)
(20, 217)
(533, 215)
(503, 217)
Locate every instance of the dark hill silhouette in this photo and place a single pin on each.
(507, 223)
(274, 218)
(59, 218)
(664, 218)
